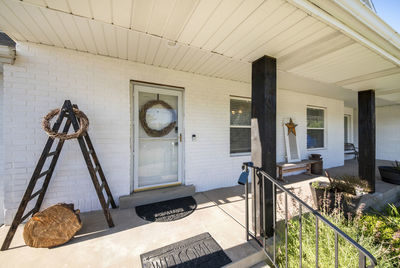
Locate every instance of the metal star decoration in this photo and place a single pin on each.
(291, 127)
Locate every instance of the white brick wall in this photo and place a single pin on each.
(294, 105)
(43, 77)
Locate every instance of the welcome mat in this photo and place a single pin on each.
(170, 210)
(195, 252)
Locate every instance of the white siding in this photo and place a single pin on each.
(388, 132)
(43, 77)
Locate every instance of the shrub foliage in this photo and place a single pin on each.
(379, 233)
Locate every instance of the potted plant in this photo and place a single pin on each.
(323, 195)
(342, 192)
(391, 174)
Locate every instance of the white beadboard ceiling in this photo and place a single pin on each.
(218, 38)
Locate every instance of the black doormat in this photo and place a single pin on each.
(196, 252)
(170, 210)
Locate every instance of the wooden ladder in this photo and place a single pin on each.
(88, 154)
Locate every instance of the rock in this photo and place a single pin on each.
(52, 227)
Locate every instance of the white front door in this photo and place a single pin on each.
(157, 136)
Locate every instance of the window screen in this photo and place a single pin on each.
(315, 128)
(240, 125)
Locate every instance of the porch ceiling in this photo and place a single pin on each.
(217, 38)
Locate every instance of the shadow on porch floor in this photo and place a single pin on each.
(221, 212)
(96, 245)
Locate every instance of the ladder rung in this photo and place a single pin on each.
(86, 147)
(27, 215)
(36, 194)
(52, 153)
(43, 173)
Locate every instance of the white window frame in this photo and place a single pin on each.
(324, 128)
(237, 126)
(349, 128)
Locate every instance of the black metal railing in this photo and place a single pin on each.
(259, 177)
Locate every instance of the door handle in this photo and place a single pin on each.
(180, 137)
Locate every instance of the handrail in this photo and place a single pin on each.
(363, 253)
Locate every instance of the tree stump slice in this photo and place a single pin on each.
(52, 227)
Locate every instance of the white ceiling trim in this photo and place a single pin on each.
(325, 16)
(387, 92)
(322, 47)
(250, 7)
(89, 35)
(370, 76)
(216, 38)
(371, 19)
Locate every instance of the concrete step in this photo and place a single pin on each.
(251, 253)
(156, 195)
(249, 261)
(262, 264)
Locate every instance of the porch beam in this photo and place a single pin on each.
(370, 76)
(366, 137)
(387, 92)
(330, 12)
(320, 48)
(263, 108)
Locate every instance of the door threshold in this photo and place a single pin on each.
(157, 187)
(156, 195)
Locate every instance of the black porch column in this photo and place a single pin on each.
(366, 137)
(263, 108)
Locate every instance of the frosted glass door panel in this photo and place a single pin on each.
(158, 156)
(158, 162)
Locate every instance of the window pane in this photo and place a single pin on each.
(240, 112)
(315, 118)
(240, 140)
(315, 138)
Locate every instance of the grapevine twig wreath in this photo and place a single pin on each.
(154, 132)
(83, 122)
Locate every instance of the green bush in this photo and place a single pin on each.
(379, 233)
(385, 228)
(348, 184)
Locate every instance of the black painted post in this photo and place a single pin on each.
(366, 137)
(263, 106)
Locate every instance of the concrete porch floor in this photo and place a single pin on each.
(221, 212)
(96, 245)
(384, 192)
(351, 168)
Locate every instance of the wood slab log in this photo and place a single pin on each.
(52, 227)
